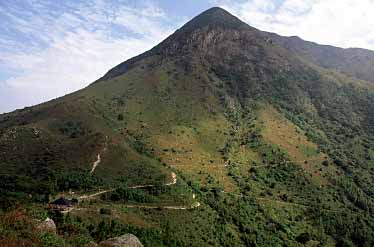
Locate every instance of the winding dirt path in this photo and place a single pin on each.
(173, 182)
(194, 205)
(98, 158)
(288, 162)
(95, 164)
(293, 204)
(95, 194)
(280, 202)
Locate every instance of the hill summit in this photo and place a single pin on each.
(212, 19)
(253, 138)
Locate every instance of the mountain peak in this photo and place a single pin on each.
(215, 16)
(212, 18)
(215, 11)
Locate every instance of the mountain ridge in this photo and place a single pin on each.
(214, 16)
(339, 58)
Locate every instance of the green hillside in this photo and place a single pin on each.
(269, 148)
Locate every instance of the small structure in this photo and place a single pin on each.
(61, 205)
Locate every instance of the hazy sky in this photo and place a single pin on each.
(52, 47)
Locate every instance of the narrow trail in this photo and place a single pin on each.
(280, 202)
(231, 193)
(98, 158)
(194, 205)
(289, 162)
(293, 204)
(95, 164)
(173, 182)
(227, 165)
(95, 194)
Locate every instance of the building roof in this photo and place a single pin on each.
(62, 202)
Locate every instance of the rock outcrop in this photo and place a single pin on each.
(48, 225)
(126, 240)
(91, 244)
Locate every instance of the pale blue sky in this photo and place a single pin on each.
(52, 47)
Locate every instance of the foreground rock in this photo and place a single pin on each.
(127, 240)
(91, 244)
(48, 225)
